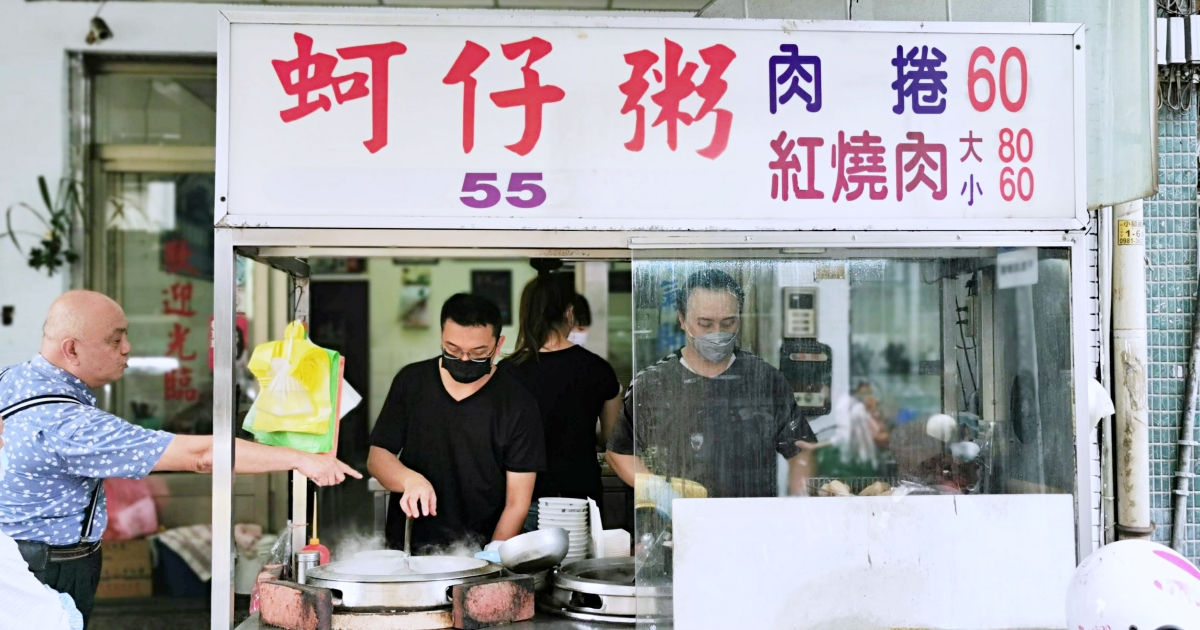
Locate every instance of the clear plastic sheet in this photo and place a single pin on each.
(921, 378)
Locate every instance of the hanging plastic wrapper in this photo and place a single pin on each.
(286, 395)
(321, 371)
(294, 376)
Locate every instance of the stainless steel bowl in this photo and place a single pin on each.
(535, 551)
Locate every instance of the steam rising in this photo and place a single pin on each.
(354, 555)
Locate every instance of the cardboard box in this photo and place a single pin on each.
(121, 588)
(129, 559)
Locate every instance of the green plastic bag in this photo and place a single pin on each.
(307, 442)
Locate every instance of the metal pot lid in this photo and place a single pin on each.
(606, 576)
(421, 569)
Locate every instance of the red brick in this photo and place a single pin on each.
(294, 606)
(493, 602)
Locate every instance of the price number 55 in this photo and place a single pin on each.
(523, 192)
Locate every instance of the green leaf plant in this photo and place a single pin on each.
(55, 247)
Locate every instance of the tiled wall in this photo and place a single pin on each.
(1170, 224)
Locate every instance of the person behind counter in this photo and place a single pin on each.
(61, 446)
(581, 314)
(573, 388)
(458, 439)
(712, 413)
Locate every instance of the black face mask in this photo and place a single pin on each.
(467, 371)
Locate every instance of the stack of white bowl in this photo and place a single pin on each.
(571, 515)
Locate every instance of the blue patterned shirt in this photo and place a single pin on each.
(57, 454)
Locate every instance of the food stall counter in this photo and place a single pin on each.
(541, 622)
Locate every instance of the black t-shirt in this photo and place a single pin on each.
(464, 448)
(721, 432)
(571, 387)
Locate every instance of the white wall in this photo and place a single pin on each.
(34, 40)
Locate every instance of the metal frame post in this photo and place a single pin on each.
(299, 483)
(224, 306)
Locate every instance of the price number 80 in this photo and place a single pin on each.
(1019, 146)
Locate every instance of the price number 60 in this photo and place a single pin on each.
(1019, 146)
(975, 75)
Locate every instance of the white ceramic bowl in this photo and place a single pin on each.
(562, 501)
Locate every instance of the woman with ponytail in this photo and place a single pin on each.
(574, 388)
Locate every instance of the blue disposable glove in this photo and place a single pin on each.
(74, 617)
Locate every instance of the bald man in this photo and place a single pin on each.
(60, 445)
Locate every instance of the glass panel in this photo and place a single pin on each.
(921, 373)
(140, 109)
(159, 265)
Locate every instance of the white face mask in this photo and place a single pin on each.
(578, 337)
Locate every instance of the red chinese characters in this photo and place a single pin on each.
(634, 89)
(679, 84)
(472, 56)
(533, 95)
(859, 162)
(307, 74)
(177, 383)
(177, 257)
(177, 342)
(179, 300)
(922, 158)
(787, 164)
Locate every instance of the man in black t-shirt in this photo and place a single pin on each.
(710, 413)
(458, 442)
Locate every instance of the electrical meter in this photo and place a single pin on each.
(806, 362)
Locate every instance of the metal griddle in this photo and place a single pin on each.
(396, 592)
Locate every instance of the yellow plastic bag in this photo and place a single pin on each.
(307, 442)
(295, 384)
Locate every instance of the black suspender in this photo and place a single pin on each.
(36, 401)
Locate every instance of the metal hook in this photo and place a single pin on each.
(299, 294)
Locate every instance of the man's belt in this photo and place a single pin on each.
(38, 555)
(74, 552)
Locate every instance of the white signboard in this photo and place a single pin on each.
(474, 121)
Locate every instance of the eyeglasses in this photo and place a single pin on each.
(475, 355)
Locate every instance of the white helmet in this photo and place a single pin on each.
(1134, 585)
